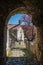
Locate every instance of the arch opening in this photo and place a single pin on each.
(26, 22)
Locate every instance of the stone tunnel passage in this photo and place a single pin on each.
(20, 51)
(26, 6)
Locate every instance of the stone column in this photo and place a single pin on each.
(7, 45)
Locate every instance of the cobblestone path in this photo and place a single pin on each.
(21, 61)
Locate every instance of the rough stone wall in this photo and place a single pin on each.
(37, 47)
(40, 43)
(2, 45)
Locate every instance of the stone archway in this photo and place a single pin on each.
(24, 10)
(36, 14)
(21, 10)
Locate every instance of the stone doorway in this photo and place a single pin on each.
(20, 52)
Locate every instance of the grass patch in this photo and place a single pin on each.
(10, 53)
(28, 53)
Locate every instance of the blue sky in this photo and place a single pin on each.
(15, 19)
